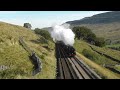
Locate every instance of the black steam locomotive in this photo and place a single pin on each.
(69, 50)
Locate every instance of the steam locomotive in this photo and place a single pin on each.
(69, 50)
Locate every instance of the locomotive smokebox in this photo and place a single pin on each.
(68, 49)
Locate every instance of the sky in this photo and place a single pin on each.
(41, 19)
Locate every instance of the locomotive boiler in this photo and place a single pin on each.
(69, 50)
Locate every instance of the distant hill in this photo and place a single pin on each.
(108, 17)
(105, 25)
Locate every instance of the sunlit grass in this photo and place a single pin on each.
(81, 45)
(97, 61)
(103, 72)
(113, 53)
(14, 56)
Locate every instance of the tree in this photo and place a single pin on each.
(27, 25)
(84, 33)
(43, 33)
(99, 42)
(91, 38)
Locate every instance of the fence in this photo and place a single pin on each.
(105, 55)
(34, 58)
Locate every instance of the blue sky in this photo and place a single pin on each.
(40, 19)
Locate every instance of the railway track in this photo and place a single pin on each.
(72, 68)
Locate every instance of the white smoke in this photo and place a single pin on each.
(63, 33)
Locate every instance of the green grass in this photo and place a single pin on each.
(47, 58)
(113, 53)
(117, 67)
(103, 72)
(114, 45)
(14, 56)
(95, 60)
(80, 46)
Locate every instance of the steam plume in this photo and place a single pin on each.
(63, 33)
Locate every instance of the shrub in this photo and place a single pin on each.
(43, 33)
(27, 25)
(100, 42)
(89, 54)
(86, 34)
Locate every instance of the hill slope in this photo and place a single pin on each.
(96, 60)
(108, 17)
(105, 25)
(16, 58)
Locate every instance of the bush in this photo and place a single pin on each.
(43, 33)
(43, 40)
(100, 42)
(27, 25)
(89, 54)
(86, 34)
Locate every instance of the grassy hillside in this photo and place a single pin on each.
(113, 53)
(107, 17)
(109, 31)
(81, 46)
(16, 58)
(94, 57)
(103, 72)
(105, 25)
